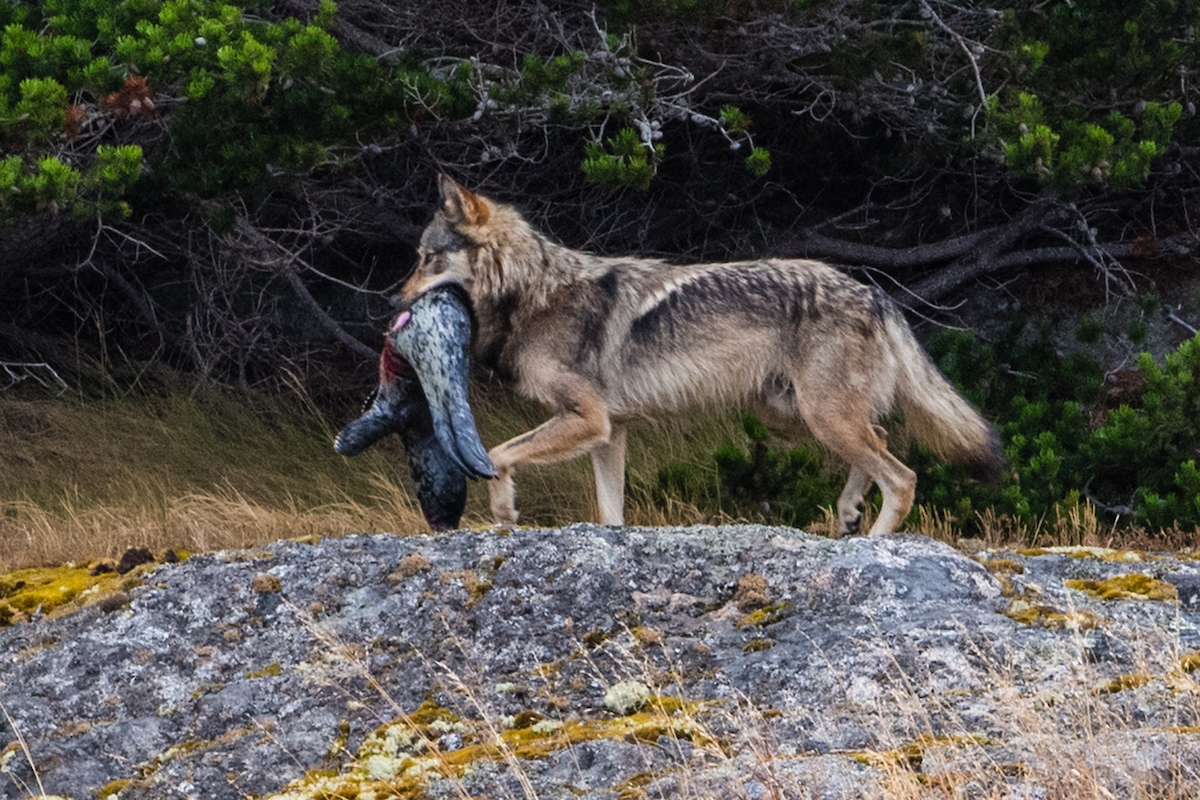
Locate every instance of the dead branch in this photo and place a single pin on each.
(266, 252)
(40, 371)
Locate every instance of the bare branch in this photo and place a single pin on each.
(40, 371)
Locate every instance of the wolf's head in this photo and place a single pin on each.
(451, 245)
(488, 249)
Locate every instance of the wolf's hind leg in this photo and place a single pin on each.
(850, 503)
(848, 431)
(608, 468)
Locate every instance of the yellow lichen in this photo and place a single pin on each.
(911, 755)
(1083, 551)
(1050, 617)
(475, 587)
(55, 589)
(1135, 586)
(397, 760)
(767, 615)
(269, 671)
(1124, 682)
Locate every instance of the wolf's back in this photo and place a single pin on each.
(935, 414)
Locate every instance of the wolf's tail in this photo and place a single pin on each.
(935, 414)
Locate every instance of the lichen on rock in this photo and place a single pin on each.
(754, 661)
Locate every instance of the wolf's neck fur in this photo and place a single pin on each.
(525, 263)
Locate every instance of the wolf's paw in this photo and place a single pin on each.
(505, 517)
(504, 499)
(851, 524)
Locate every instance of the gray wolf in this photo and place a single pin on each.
(602, 340)
(425, 356)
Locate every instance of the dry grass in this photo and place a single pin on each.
(203, 470)
(85, 480)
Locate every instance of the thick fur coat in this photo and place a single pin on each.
(601, 340)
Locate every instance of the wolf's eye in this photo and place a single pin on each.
(435, 264)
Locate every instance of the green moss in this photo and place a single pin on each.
(1135, 586)
(266, 583)
(112, 788)
(1001, 569)
(525, 719)
(754, 645)
(595, 637)
(647, 637)
(632, 788)
(478, 591)
(1004, 566)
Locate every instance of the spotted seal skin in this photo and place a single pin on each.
(434, 338)
(400, 405)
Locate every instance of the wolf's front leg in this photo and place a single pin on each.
(504, 497)
(580, 425)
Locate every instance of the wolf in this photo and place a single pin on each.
(600, 341)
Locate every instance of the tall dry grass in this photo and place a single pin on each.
(206, 469)
(203, 470)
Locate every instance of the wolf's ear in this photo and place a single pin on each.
(460, 206)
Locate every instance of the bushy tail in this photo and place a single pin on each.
(935, 414)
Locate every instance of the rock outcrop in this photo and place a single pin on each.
(734, 661)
